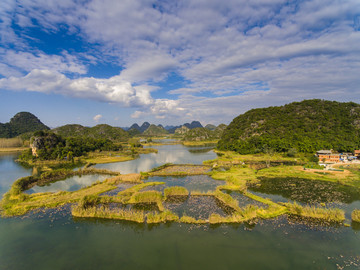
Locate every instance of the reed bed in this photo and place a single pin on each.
(126, 178)
(105, 212)
(327, 214)
(227, 200)
(11, 143)
(147, 197)
(175, 192)
(355, 215)
(165, 216)
(191, 220)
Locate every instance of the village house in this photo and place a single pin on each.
(331, 157)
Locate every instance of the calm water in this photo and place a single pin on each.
(52, 239)
(177, 154)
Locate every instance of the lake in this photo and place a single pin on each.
(53, 239)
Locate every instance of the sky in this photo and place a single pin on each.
(170, 62)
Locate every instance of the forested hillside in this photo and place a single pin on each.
(21, 123)
(102, 131)
(306, 126)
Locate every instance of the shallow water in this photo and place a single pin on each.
(177, 154)
(203, 183)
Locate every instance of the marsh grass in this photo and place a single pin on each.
(105, 212)
(165, 216)
(126, 178)
(227, 200)
(327, 214)
(175, 192)
(147, 197)
(191, 220)
(179, 170)
(355, 215)
(10, 143)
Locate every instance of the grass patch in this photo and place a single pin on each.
(175, 192)
(147, 197)
(200, 143)
(105, 212)
(165, 216)
(227, 200)
(191, 220)
(327, 214)
(355, 215)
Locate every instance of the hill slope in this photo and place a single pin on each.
(153, 130)
(204, 134)
(21, 123)
(102, 131)
(307, 126)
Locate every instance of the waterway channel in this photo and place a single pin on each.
(52, 239)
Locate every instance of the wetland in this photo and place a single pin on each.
(172, 217)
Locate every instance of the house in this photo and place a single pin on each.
(357, 153)
(329, 156)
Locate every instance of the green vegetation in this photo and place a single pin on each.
(21, 123)
(102, 131)
(106, 213)
(191, 220)
(165, 216)
(305, 126)
(153, 130)
(329, 215)
(11, 143)
(175, 192)
(355, 215)
(49, 146)
(227, 200)
(204, 134)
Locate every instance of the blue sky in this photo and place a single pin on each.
(171, 62)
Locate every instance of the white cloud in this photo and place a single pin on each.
(97, 118)
(113, 90)
(233, 54)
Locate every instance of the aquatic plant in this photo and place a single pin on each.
(355, 215)
(227, 200)
(175, 191)
(327, 214)
(191, 220)
(165, 216)
(105, 212)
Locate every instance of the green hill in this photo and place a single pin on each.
(306, 126)
(21, 123)
(102, 131)
(204, 134)
(154, 130)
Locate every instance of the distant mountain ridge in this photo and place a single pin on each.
(21, 123)
(170, 128)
